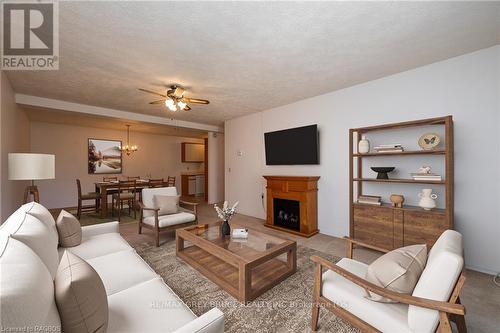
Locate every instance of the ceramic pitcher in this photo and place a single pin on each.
(427, 199)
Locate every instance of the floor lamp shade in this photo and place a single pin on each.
(24, 166)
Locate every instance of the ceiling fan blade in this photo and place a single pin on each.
(187, 108)
(196, 100)
(152, 92)
(160, 101)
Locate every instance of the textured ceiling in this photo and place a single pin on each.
(247, 56)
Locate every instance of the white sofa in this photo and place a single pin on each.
(138, 299)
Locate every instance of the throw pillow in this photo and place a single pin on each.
(168, 204)
(80, 296)
(398, 270)
(69, 229)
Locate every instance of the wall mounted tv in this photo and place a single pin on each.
(295, 146)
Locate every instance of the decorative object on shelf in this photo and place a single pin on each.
(226, 213)
(397, 200)
(363, 145)
(27, 166)
(429, 141)
(389, 148)
(370, 200)
(424, 173)
(128, 148)
(104, 156)
(383, 171)
(427, 199)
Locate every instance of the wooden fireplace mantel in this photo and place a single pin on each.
(303, 189)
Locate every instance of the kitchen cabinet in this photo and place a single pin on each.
(193, 184)
(192, 152)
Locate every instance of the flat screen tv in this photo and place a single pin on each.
(295, 146)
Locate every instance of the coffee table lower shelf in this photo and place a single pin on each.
(243, 280)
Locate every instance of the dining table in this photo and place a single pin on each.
(110, 187)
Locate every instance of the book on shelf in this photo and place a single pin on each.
(392, 145)
(369, 203)
(426, 176)
(370, 200)
(390, 151)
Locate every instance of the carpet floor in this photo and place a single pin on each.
(284, 308)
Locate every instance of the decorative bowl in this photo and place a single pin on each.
(382, 171)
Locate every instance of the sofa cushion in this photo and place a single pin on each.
(149, 193)
(40, 238)
(385, 317)
(168, 204)
(80, 296)
(172, 219)
(27, 289)
(69, 229)
(147, 307)
(397, 270)
(444, 265)
(41, 213)
(100, 245)
(122, 270)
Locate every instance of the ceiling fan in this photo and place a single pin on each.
(174, 99)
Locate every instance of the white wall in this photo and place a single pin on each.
(466, 87)
(215, 167)
(14, 127)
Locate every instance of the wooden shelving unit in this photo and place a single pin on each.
(389, 227)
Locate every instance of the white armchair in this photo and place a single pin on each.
(150, 217)
(434, 302)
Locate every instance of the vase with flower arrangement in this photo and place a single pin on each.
(226, 213)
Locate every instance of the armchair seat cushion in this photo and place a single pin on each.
(90, 196)
(171, 219)
(385, 317)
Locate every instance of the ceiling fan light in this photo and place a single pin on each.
(181, 105)
(173, 108)
(169, 103)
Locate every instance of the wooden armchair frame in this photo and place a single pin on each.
(156, 228)
(452, 310)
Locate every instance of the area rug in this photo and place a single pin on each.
(284, 308)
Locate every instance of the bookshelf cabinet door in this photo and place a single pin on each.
(374, 225)
(423, 227)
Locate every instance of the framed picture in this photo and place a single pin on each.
(104, 156)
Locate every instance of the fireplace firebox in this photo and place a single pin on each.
(287, 213)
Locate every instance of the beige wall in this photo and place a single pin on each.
(158, 157)
(215, 167)
(14, 138)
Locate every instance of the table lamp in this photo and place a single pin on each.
(28, 166)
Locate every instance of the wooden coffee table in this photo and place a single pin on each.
(245, 268)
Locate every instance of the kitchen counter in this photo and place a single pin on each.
(193, 183)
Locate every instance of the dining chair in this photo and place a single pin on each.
(156, 183)
(170, 181)
(133, 178)
(86, 196)
(108, 179)
(126, 193)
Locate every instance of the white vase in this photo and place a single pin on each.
(427, 199)
(363, 145)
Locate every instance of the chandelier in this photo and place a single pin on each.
(128, 148)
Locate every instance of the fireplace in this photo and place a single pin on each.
(292, 204)
(287, 213)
